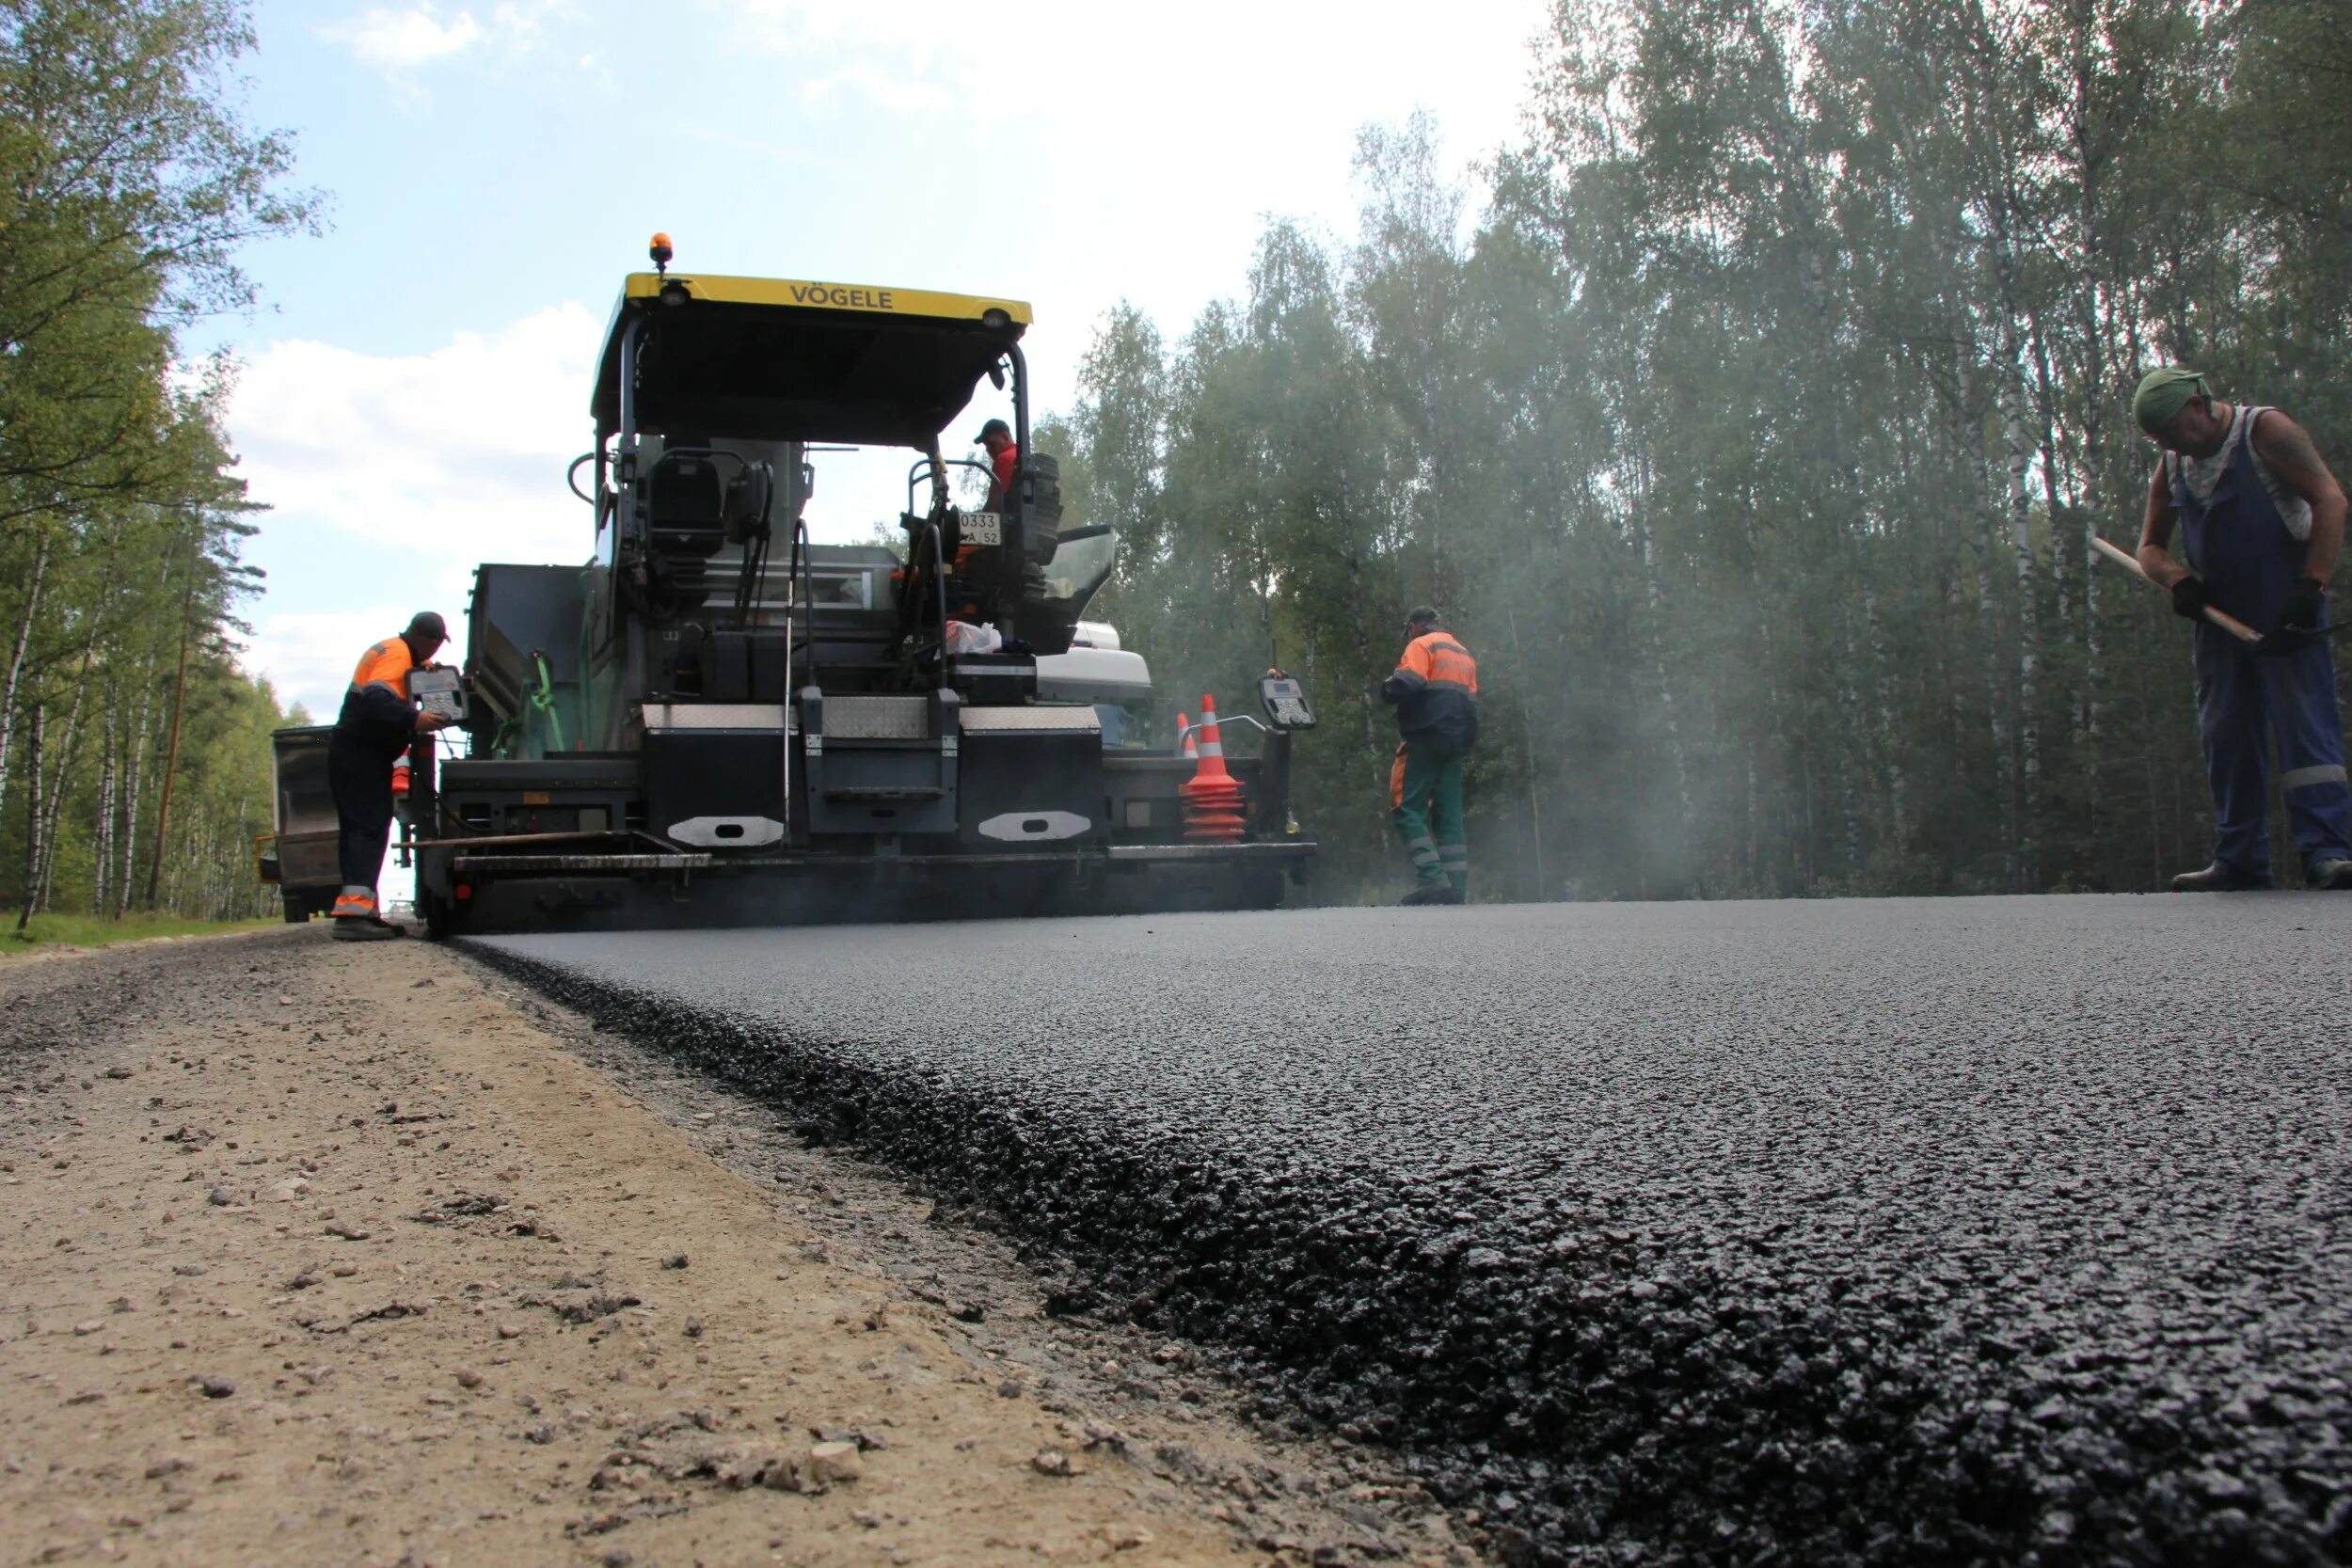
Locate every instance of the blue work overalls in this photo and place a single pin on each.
(2237, 541)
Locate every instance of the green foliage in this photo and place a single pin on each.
(133, 185)
(1753, 436)
(76, 930)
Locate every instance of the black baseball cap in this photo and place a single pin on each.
(1422, 615)
(996, 427)
(425, 626)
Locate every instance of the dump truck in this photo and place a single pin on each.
(714, 721)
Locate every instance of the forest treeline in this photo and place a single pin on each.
(1750, 418)
(135, 764)
(1752, 428)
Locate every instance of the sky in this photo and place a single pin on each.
(416, 379)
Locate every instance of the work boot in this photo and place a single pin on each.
(2217, 878)
(2333, 875)
(1431, 893)
(361, 928)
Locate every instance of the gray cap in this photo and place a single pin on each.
(427, 625)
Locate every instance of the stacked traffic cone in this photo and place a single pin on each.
(1212, 796)
(1184, 748)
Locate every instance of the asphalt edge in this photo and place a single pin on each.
(1153, 1239)
(1503, 1382)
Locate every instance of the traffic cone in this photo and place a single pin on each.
(1184, 748)
(1213, 805)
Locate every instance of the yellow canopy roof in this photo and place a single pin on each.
(791, 359)
(808, 294)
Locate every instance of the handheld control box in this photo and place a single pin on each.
(1286, 703)
(440, 691)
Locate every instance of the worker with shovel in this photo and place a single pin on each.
(1436, 692)
(2264, 523)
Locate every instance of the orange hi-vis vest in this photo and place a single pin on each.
(1441, 663)
(386, 664)
(1436, 692)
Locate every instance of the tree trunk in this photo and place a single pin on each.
(2028, 627)
(229, 885)
(32, 819)
(1653, 642)
(136, 748)
(102, 849)
(62, 777)
(1978, 462)
(1874, 627)
(171, 751)
(136, 745)
(16, 658)
(1527, 737)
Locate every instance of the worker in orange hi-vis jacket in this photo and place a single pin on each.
(1436, 692)
(1003, 461)
(374, 729)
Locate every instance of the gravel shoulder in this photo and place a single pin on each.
(326, 1255)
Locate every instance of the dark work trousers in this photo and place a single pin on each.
(2241, 695)
(1426, 805)
(361, 778)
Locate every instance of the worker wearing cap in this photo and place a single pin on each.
(1004, 458)
(1436, 692)
(2264, 523)
(375, 728)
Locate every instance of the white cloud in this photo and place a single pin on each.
(910, 30)
(893, 92)
(308, 657)
(774, 149)
(399, 40)
(388, 477)
(519, 20)
(1232, 73)
(406, 38)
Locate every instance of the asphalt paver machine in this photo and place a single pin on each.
(714, 722)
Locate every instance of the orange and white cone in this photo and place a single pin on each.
(1212, 798)
(1184, 747)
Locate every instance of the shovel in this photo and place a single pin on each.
(2226, 622)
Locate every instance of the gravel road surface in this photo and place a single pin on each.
(319, 1255)
(1901, 1231)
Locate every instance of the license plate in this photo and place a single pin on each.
(982, 528)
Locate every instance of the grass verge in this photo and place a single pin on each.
(89, 930)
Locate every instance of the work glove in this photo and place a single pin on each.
(2188, 598)
(2305, 602)
(2298, 620)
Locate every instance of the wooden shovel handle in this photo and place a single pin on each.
(2228, 623)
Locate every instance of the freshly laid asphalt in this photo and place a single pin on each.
(1903, 1232)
